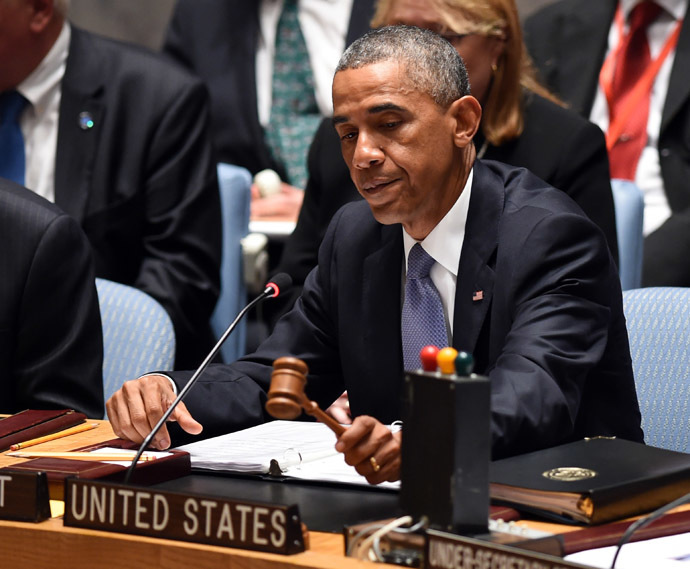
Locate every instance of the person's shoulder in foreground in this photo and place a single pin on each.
(51, 348)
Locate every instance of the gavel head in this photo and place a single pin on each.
(286, 394)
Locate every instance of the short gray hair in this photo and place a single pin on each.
(431, 63)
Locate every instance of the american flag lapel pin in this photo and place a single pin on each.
(478, 295)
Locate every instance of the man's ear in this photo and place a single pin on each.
(42, 14)
(467, 112)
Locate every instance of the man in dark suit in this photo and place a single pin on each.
(227, 44)
(51, 346)
(526, 280)
(569, 42)
(118, 138)
(218, 41)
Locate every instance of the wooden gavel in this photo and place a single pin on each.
(286, 398)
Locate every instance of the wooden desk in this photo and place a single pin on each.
(50, 545)
(104, 432)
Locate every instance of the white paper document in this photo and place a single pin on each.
(295, 449)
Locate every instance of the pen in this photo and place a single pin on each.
(81, 455)
(58, 435)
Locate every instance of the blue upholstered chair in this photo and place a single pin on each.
(235, 197)
(138, 335)
(658, 322)
(629, 205)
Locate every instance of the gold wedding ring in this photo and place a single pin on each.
(375, 465)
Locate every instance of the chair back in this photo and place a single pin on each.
(629, 204)
(138, 335)
(235, 197)
(658, 321)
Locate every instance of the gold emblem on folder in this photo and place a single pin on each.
(569, 473)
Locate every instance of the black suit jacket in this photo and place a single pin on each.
(549, 331)
(142, 181)
(51, 345)
(557, 145)
(217, 40)
(568, 42)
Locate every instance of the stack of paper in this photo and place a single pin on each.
(295, 449)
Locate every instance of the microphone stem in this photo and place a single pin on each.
(192, 381)
(646, 520)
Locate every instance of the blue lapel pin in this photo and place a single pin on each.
(85, 121)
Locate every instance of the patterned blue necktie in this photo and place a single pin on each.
(12, 160)
(423, 322)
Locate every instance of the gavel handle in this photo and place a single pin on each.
(311, 408)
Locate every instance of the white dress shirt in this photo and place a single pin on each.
(648, 175)
(324, 25)
(444, 244)
(39, 121)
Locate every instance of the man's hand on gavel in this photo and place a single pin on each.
(372, 449)
(368, 445)
(139, 404)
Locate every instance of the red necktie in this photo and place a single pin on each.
(633, 59)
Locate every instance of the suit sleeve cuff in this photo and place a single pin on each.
(172, 383)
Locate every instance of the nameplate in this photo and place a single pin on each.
(181, 516)
(24, 496)
(449, 551)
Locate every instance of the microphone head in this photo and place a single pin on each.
(278, 283)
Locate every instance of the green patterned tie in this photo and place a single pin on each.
(294, 114)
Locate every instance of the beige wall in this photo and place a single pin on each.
(144, 21)
(138, 21)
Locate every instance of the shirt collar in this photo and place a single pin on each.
(450, 230)
(676, 8)
(39, 85)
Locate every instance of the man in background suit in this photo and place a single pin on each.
(523, 280)
(229, 45)
(51, 346)
(569, 41)
(118, 138)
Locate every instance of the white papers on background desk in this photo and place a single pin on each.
(299, 449)
(271, 228)
(670, 552)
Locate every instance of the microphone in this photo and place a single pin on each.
(281, 281)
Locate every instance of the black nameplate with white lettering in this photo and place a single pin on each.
(24, 496)
(185, 517)
(450, 551)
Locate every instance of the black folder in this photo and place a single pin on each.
(591, 481)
